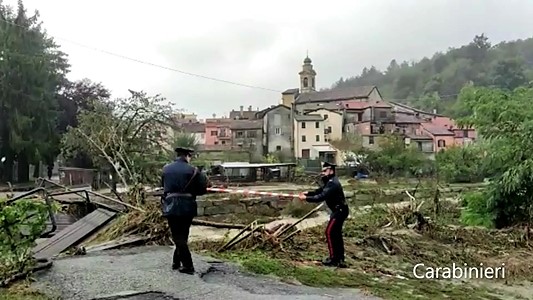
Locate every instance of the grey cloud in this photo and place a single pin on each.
(341, 46)
(225, 46)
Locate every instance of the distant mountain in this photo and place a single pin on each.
(433, 83)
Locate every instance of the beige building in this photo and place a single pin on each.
(309, 140)
(333, 122)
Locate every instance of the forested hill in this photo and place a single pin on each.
(435, 82)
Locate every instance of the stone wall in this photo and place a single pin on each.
(263, 205)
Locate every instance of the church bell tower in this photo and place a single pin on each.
(307, 77)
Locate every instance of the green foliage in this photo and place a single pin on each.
(130, 133)
(477, 211)
(22, 223)
(505, 121)
(396, 159)
(462, 164)
(419, 84)
(186, 140)
(271, 159)
(33, 70)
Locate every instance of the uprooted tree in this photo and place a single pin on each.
(128, 137)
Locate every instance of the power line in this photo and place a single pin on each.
(153, 64)
(174, 69)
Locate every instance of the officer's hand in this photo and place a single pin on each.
(302, 196)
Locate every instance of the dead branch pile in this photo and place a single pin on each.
(266, 236)
(151, 224)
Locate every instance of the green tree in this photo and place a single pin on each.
(395, 158)
(32, 72)
(505, 120)
(81, 95)
(508, 74)
(128, 136)
(505, 65)
(463, 164)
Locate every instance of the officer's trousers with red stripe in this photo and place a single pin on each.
(334, 234)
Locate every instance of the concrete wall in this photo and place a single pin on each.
(277, 118)
(210, 207)
(249, 139)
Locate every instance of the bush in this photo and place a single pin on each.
(462, 164)
(477, 211)
(22, 223)
(395, 159)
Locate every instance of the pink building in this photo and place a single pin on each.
(217, 131)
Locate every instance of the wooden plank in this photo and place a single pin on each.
(62, 221)
(120, 242)
(73, 234)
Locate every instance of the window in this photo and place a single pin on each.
(240, 134)
(278, 148)
(251, 134)
(223, 142)
(303, 124)
(371, 140)
(441, 143)
(326, 117)
(303, 138)
(317, 124)
(306, 82)
(306, 153)
(213, 133)
(216, 142)
(313, 82)
(359, 117)
(329, 129)
(465, 133)
(277, 130)
(317, 138)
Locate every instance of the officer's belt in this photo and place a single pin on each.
(170, 195)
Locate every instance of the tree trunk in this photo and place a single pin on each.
(36, 170)
(7, 169)
(23, 167)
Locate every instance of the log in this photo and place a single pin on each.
(218, 225)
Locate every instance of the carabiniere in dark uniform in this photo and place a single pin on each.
(182, 183)
(333, 194)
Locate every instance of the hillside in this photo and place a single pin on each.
(435, 82)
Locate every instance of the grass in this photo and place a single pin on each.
(21, 291)
(389, 274)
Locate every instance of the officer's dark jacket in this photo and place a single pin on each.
(332, 193)
(178, 179)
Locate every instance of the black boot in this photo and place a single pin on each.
(328, 262)
(342, 264)
(187, 270)
(176, 266)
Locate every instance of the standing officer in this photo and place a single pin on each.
(333, 194)
(182, 183)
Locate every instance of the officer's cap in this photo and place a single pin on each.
(328, 165)
(184, 151)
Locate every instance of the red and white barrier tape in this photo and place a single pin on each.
(250, 192)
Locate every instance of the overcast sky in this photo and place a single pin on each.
(260, 43)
